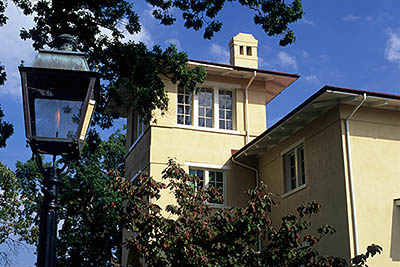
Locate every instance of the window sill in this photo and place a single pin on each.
(291, 192)
(218, 206)
(205, 129)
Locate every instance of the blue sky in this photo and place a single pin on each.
(353, 44)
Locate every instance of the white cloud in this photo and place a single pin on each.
(392, 51)
(351, 17)
(311, 78)
(307, 21)
(175, 42)
(285, 60)
(143, 36)
(219, 53)
(13, 50)
(263, 63)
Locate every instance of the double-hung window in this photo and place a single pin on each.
(185, 106)
(294, 168)
(225, 109)
(210, 108)
(210, 178)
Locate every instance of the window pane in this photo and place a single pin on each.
(199, 174)
(201, 122)
(180, 98)
(188, 120)
(180, 119)
(180, 109)
(209, 112)
(188, 110)
(221, 124)
(211, 177)
(205, 108)
(293, 184)
(221, 113)
(229, 125)
(219, 177)
(229, 115)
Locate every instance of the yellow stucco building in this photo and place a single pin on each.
(340, 147)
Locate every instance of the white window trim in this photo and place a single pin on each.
(292, 146)
(291, 192)
(283, 153)
(207, 165)
(215, 108)
(215, 130)
(206, 168)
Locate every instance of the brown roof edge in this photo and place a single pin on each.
(309, 100)
(291, 75)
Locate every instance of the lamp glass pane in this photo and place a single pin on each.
(57, 118)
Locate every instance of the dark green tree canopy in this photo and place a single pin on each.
(91, 233)
(14, 227)
(6, 129)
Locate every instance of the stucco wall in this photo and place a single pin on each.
(324, 180)
(375, 156)
(196, 146)
(138, 158)
(257, 97)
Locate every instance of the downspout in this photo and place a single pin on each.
(350, 173)
(247, 106)
(247, 167)
(256, 174)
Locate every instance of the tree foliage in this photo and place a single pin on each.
(133, 73)
(14, 227)
(195, 235)
(6, 129)
(89, 212)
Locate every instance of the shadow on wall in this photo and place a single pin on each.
(395, 242)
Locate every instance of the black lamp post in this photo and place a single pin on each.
(59, 96)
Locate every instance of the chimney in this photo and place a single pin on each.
(243, 51)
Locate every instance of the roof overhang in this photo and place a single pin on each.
(274, 81)
(311, 109)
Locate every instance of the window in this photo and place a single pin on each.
(248, 50)
(210, 108)
(210, 178)
(205, 108)
(225, 109)
(294, 168)
(138, 127)
(185, 105)
(241, 50)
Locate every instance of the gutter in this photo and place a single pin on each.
(247, 106)
(350, 173)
